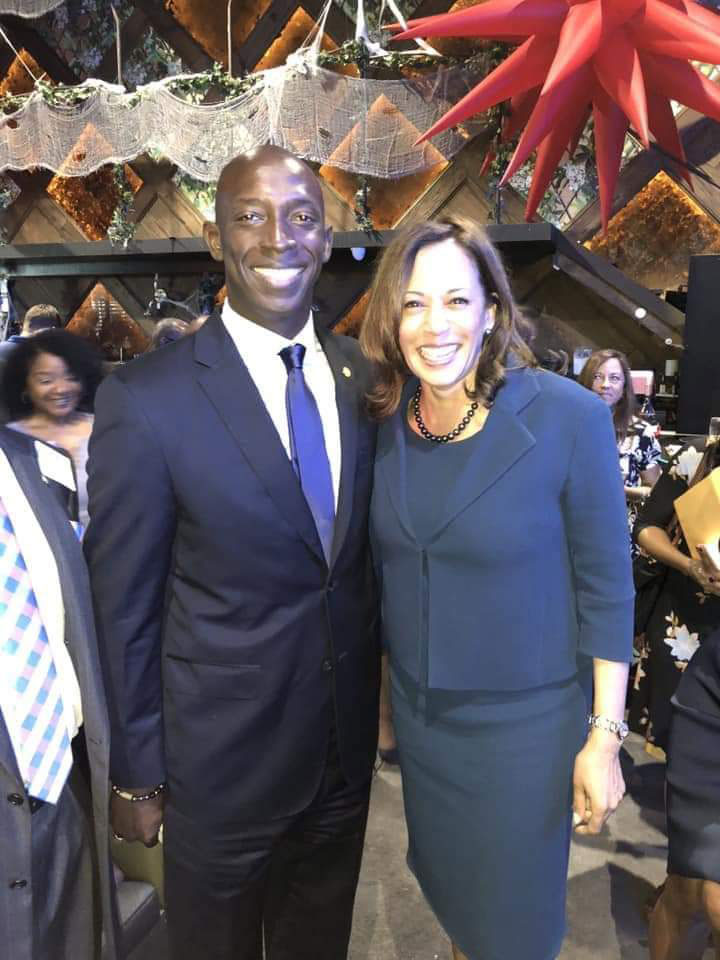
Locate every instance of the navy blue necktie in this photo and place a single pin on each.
(307, 446)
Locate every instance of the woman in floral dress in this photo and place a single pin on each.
(607, 373)
(688, 606)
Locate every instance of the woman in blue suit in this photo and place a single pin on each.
(500, 538)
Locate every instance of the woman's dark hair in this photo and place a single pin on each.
(505, 347)
(624, 409)
(81, 357)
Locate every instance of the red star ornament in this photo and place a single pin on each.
(622, 61)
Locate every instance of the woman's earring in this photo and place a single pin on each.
(489, 325)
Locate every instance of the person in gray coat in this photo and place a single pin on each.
(56, 892)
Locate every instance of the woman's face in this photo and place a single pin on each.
(609, 381)
(52, 387)
(444, 316)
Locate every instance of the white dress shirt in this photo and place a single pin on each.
(260, 349)
(42, 569)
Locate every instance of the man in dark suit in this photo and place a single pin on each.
(230, 476)
(56, 895)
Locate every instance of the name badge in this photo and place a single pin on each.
(55, 465)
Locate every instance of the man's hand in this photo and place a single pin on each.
(137, 821)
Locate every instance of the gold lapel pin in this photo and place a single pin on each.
(347, 372)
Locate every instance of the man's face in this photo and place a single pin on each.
(270, 234)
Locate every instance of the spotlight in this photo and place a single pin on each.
(358, 252)
(640, 313)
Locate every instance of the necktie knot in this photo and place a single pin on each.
(293, 356)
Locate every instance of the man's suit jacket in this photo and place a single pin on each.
(6, 348)
(527, 569)
(227, 643)
(16, 915)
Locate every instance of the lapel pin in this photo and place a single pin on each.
(346, 372)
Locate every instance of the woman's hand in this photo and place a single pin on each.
(598, 784)
(705, 572)
(637, 494)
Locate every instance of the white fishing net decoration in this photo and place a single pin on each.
(365, 126)
(28, 8)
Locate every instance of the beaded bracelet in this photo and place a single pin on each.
(138, 797)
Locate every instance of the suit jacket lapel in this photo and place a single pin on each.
(503, 441)
(230, 388)
(392, 459)
(348, 405)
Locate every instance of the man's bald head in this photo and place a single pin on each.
(243, 167)
(270, 233)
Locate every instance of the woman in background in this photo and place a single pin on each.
(687, 608)
(49, 385)
(500, 540)
(607, 373)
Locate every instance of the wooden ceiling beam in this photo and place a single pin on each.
(32, 185)
(130, 302)
(617, 298)
(429, 8)
(338, 25)
(461, 169)
(6, 59)
(22, 34)
(268, 27)
(195, 58)
(81, 287)
(131, 33)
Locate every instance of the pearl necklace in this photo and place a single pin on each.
(435, 437)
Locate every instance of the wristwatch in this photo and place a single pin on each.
(618, 727)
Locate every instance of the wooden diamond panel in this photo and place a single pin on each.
(102, 319)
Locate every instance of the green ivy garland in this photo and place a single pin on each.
(195, 88)
(121, 229)
(361, 208)
(8, 195)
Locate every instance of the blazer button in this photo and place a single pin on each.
(331, 585)
(327, 666)
(16, 799)
(18, 884)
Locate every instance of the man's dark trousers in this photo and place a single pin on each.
(298, 873)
